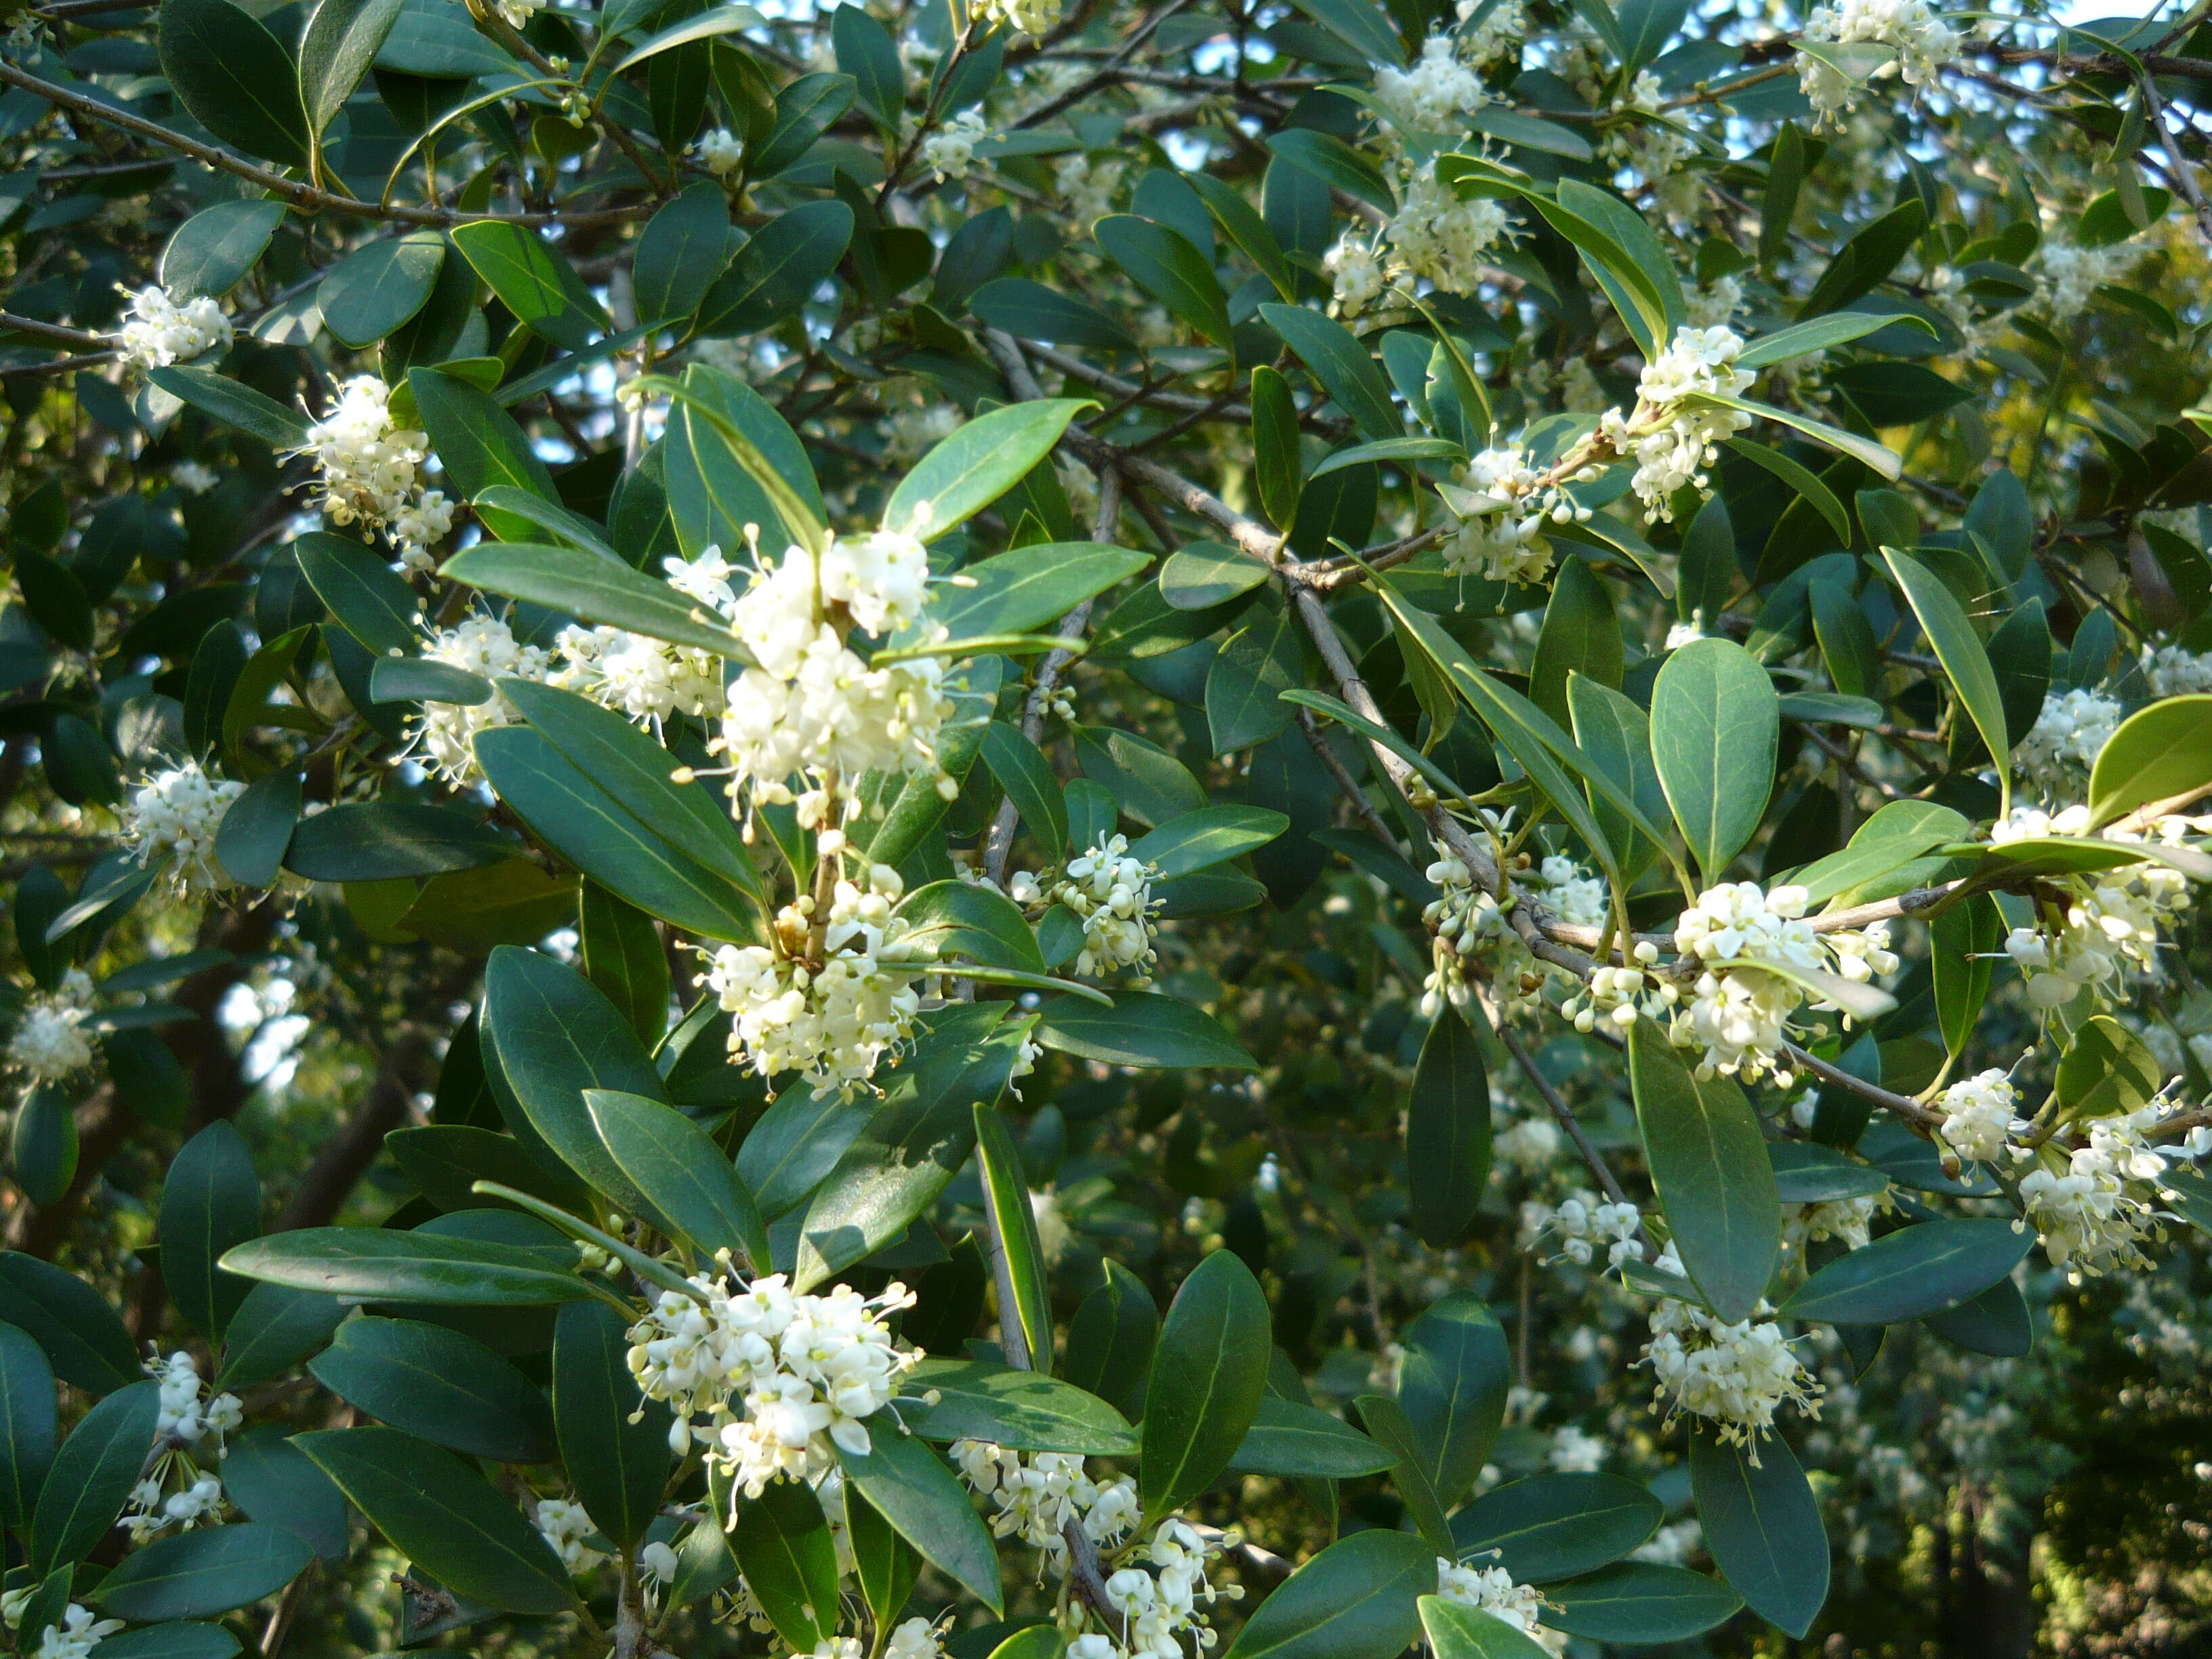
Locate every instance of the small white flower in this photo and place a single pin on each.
(49, 1041)
(159, 331)
(721, 152)
(172, 821)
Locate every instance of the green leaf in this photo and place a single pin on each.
(681, 1173)
(1200, 576)
(212, 252)
(1447, 1133)
(1806, 1172)
(1245, 228)
(1386, 1420)
(1453, 1389)
(915, 1144)
(1637, 1602)
(784, 1549)
(625, 957)
(979, 463)
(1762, 1527)
(532, 280)
(1361, 25)
(211, 1200)
(1959, 649)
(904, 1481)
(1164, 263)
(778, 270)
(1030, 311)
(1962, 941)
(548, 1036)
(390, 840)
(1800, 479)
(232, 74)
(229, 402)
(375, 605)
(1024, 1292)
(1457, 1631)
(614, 1443)
(478, 444)
(273, 1481)
(340, 42)
(171, 1641)
(1862, 262)
(973, 923)
(588, 826)
(1581, 636)
(2159, 752)
(27, 1425)
(1142, 1029)
(1023, 1410)
(1821, 334)
(1615, 735)
(1893, 837)
(1110, 1340)
(1199, 840)
(885, 1565)
(445, 1517)
(1032, 586)
(274, 1329)
(1708, 1160)
(1911, 1273)
(1021, 771)
(377, 286)
(83, 1339)
(198, 1575)
(373, 1264)
(1249, 674)
(92, 1476)
(1716, 727)
(1865, 451)
(1341, 363)
(1357, 1599)
(1209, 1372)
(439, 1384)
(1558, 1526)
(682, 250)
(1288, 1438)
(866, 52)
(593, 589)
(803, 111)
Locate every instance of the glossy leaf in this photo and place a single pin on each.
(979, 463)
(1959, 649)
(373, 1264)
(1357, 1599)
(1550, 1527)
(199, 1574)
(211, 1200)
(93, 1475)
(1448, 1132)
(784, 1548)
(1018, 1265)
(1209, 1372)
(1762, 1527)
(904, 1481)
(2158, 753)
(1708, 1160)
(1452, 1387)
(1911, 1273)
(438, 1385)
(1715, 727)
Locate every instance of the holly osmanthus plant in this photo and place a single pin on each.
(1507, 704)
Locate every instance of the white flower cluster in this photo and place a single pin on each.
(2067, 276)
(172, 820)
(1849, 1221)
(1037, 1494)
(1441, 89)
(1923, 41)
(646, 679)
(951, 150)
(1980, 1118)
(565, 1525)
(1670, 444)
(2171, 671)
(829, 1008)
(1583, 1222)
(1649, 143)
(1161, 1608)
(1491, 1590)
(2111, 920)
(194, 478)
(371, 470)
(1576, 1452)
(1465, 922)
(806, 1371)
(485, 645)
(1530, 1144)
(1087, 186)
(74, 1636)
(50, 1042)
(1503, 502)
(1357, 272)
(2090, 1206)
(1733, 1376)
(1714, 304)
(2062, 745)
(1738, 1011)
(1111, 894)
(1035, 18)
(1439, 238)
(721, 152)
(159, 331)
(187, 1420)
(809, 704)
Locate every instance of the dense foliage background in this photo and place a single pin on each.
(1244, 707)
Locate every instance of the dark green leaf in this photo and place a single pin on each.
(438, 1384)
(681, 1174)
(365, 1264)
(532, 280)
(1447, 1133)
(784, 1549)
(1208, 1375)
(1708, 1160)
(1715, 727)
(227, 70)
(1453, 1389)
(775, 272)
(1357, 1599)
(211, 1200)
(196, 1575)
(93, 1475)
(1558, 1526)
(904, 1481)
(1762, 1527)
(1141, 1028)
(618, 1466)
(1635, 1601)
